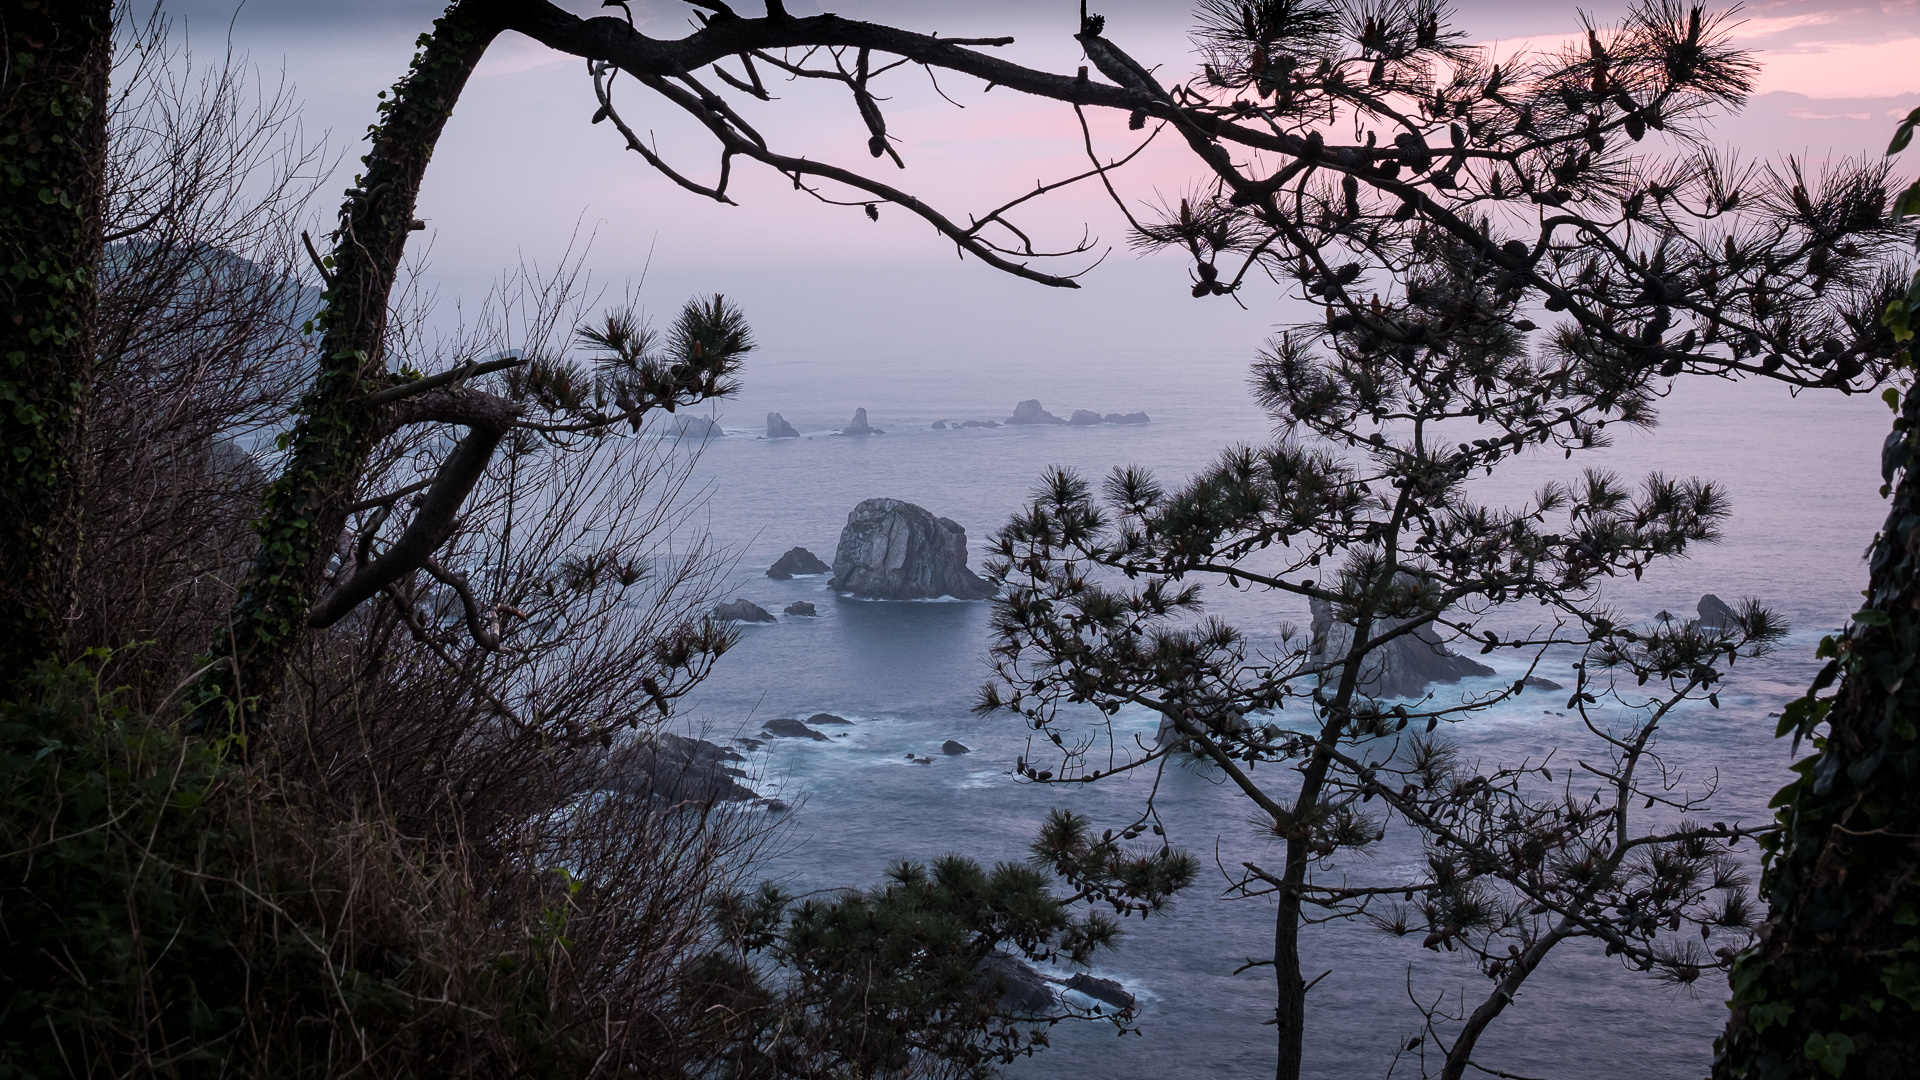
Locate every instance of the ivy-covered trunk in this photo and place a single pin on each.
(53, 141)
(1833, 987)
(305, 509)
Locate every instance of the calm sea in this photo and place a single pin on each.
(1802, 475)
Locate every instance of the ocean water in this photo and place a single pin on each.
(1802, 474)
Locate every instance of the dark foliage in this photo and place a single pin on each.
(1833, 986)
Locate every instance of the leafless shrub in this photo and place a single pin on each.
(202, 300)
(435, 854)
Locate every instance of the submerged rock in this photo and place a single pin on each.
(797, 562)
(980, 423)
(860, 425)
(778, 428)
(802, 609)
(789, 728)
(1127, 418)
(828, 718)
(894, 550)
(1105, 991)
(1030, 412)
(952, 748)
(742, 611)
(1402, 668)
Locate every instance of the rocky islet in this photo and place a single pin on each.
(891, 549)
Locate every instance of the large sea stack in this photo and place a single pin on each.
(1030, 412)
(860, 425)
(893, 550)
(1402, 668)
(778, 428)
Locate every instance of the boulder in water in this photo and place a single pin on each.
(742, 611)
(778, 428)
(1402, 668)
(828, 718)
(894, 550)
(1127, 418)
(1030, 412)
(1085, 418)
(1017, 988)
(860, 425)
(979, 423)
(1715, 614)
(803, 609)
(1104, 991)
(1535, 682)
(954, 749)
(939, 425)
(789, 728)
(676, 769)
(797, 562)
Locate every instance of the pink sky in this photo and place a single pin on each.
(520, 166)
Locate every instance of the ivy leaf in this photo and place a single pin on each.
(1904, 133)
(1903, 981)
(1766, 1015)
(1828, 1051)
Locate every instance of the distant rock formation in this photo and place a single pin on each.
(827, 718)
(789, 728)
(1535, 682)
(1104, 991)
(980, 423)
(1030, 412)
(796, 562)
(939, 425)
(678, 770)
(1715, 614)
(953, 749)
(1402, 668)
(742, 611)
(695, 427)
(860, 425)
(894, 550)
(778, 428)
(802, 608)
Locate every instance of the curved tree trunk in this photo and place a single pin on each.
(53, 141)
(1833, 987)
(305, 510)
